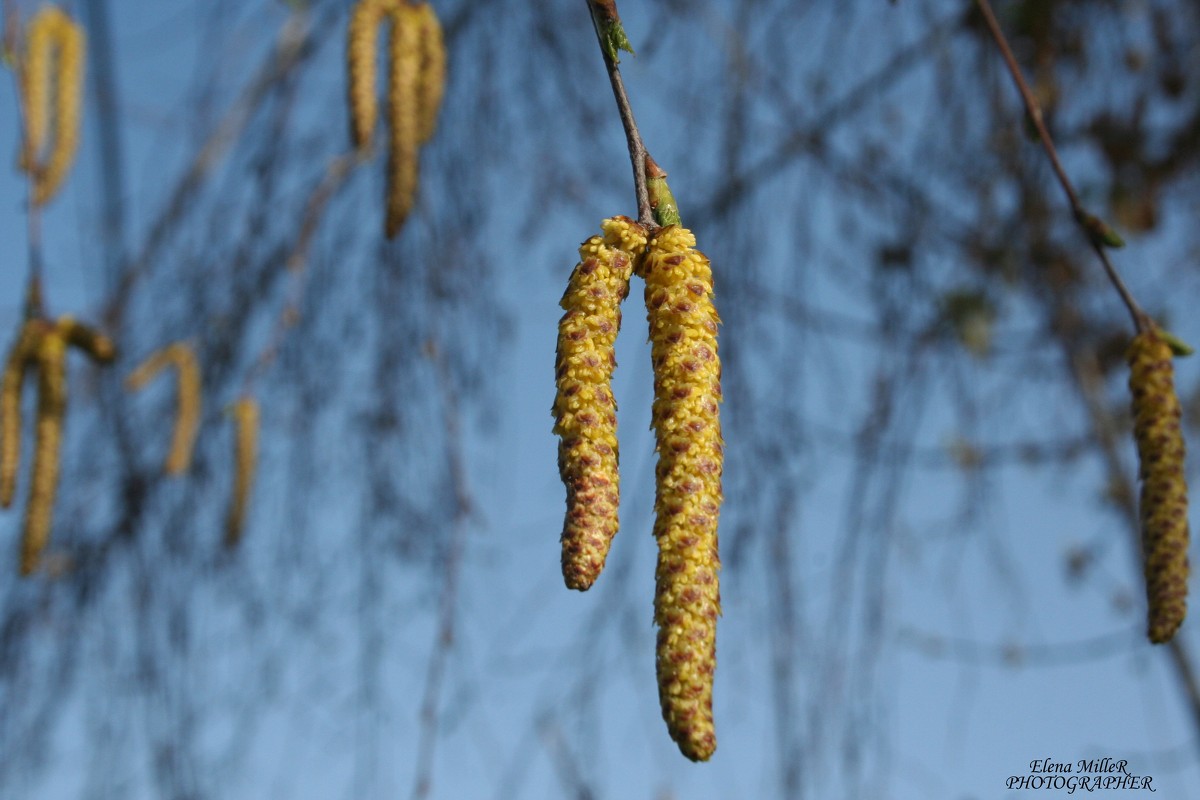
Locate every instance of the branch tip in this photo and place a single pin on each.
(610, 30)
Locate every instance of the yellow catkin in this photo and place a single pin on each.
(360, 67)
(405, 66)
(687, 394)
(53, 63)
(1156, 426)
(431, 82)
(585, 412)
(35, 87)
(245, 415)
(98, 347)
(188, 399)
(20, 358)
(51, 408)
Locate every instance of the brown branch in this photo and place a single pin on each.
(1018, 654)
(1086, 221)
(604, 12)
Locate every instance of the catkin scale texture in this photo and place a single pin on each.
(585, 411)
(431, 82)
(687, 395)
(1163, 505)
(51, 408)
(404, 124)
(245, 415)
(187, 402)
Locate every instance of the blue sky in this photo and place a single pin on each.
(986, 657)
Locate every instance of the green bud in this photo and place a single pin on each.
(1100, 231)
(1178, 346)
(662, 202)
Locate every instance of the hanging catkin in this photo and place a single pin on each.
(405, 68)
(51, 408)
(585, 413)
(187, 399)
(431, 81)
(245, 455)
(687, 394)
(53, 61)
(360, 62)
(21, 357)
(96, 345)
(1163, 506)
(34, 72)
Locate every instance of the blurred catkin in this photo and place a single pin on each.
(35, 87)
(51, 408)
(1163, 507)
(187, 399)
(687, 395)
(585, 412)
(360, 61)
(245, 416)
(21, 357)
(404, 123)
(431, 81)
(96, 345)
(54, 59)
(416, 82)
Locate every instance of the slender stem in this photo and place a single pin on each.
(602, 11)
(1140, 320)
(109, 127)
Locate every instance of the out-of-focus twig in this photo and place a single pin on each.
(1091, 225)
(297, 42)
(448, 603)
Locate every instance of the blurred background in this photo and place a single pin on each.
(931, 571)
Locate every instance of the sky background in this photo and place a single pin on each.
(986, 656)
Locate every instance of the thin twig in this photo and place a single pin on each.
(109, 130)
(1140, 320)
(602, 10)
(297, 42)
(331, 183)
(448, 602)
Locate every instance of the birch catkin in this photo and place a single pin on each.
(20, 358)
(431, 82)
(96, 345)
(245, 415)
(51, 408)
(585, 411)
(687, 394)
(360, 62)
(1163, 506)
(35, 87)
(187, 399)
(403, 119)
(53, 61)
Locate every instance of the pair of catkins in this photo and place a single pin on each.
(687, 394)
(416, 80)
(41, 345)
